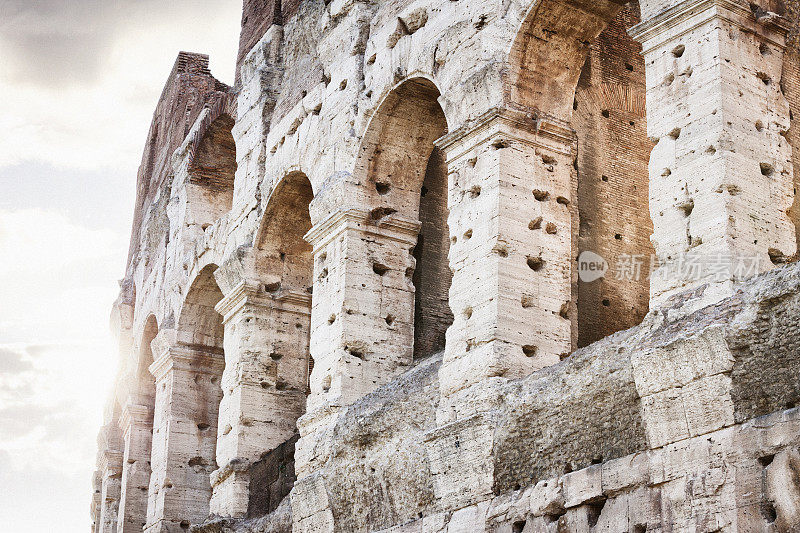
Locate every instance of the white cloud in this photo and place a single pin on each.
(98, 115)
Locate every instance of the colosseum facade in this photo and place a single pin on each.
(459, 266)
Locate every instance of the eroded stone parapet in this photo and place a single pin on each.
(721, 178)
(137, 428)
(264, 384)
(184, 432)
(511, 175)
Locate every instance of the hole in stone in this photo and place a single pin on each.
(424, 191)
(669, 78)
(640, 528)
(332, 318)
(518, 526)
(666, 172)
(535, 263)
(564, 311)
(764, 49)
(371, 59)
(766, 460)
(548, 159)
(606, 113)
(529, 350)
(541, 195)
(568, 468)
(468, 234)
(323, 274)
(552, 518)
(604, 178)
(535, 223)
(764, 77)
(597, 460)
(468, 313)
(767, 169)
(500, 144)
(264, 385)
(759, 125)
(203, 426)
(454, 239)
(594, 511)
(711, 150)
(777, 257)
(687, 207)
(472, 161)
(355, 351)
(551, 228)
(184, 524)
(343, 84)
(389, 320)
(527, 301)
(768, 512)
(382, 187)
(275, 356)
(501, 250)
(618, 237)
(379, 269)
(326, 384)
(474, 191)
(628, 67)
(197, 461)
(606, 302)
(380, 212)
(790, 405)
(675, 133)
(272, 287)
(562, 200)
(678, 50)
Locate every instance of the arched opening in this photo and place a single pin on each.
(138, 434)
(285, 267)
(613, 181)
(577, 66)
(407, 176)
(188, 399)
(211, 173)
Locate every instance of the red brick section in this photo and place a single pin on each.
(613, 155)
(189, 89)
(257, 17)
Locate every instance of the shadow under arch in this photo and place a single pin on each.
(406, 175)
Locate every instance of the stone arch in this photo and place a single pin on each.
(405, 175)
(212, 167)
(283, 256)
(137, 430)
(199, 324)
(573, 63)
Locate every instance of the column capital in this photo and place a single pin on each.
(513, 124)
(135, 412)
(380, 224)
(249, 294)
(181, 356)
(687, 15)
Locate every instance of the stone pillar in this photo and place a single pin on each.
(184, 433)
(512, 188)
(264, 384)
(721, 179)
(137, 429)
(362, 319)
(94, 508)
(110, 467)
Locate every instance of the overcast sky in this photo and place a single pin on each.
(79, 80)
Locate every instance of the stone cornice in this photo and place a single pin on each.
(135, 414)
(394, 227)
(517, 125)
(690, 14)
(250, 293)
(204, 359)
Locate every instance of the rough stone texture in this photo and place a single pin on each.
(390, 180)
